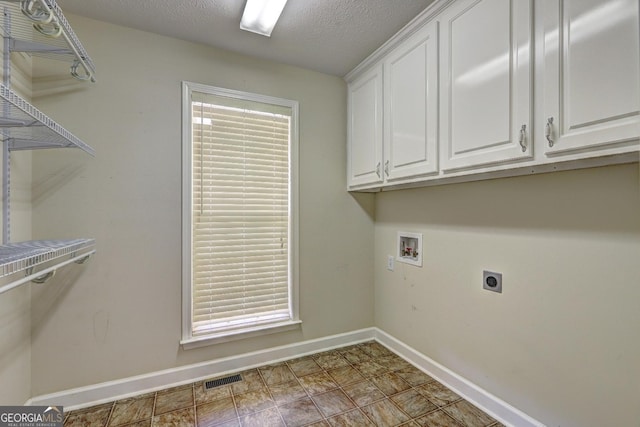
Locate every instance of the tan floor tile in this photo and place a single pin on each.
(370, 368)
(251, 381)
(348, 348)
(363, 393)
(438, 393)
(385, 413)
(304, 366)
(413, 403)
(333, 402)
(176, 398)
(300, 413)
(317, 383)
(331, 360)
(375, 349)
(345, 375)
(95, 416)
(204, 396)
(180, 387)
(437, 419)
(267, 418)
(216, 412)
(468, 414)
(287, 392)
(353, 418)
(230, 423)
(253, 401)
(180, 418)
(128, 411)
(276, 374)
(390, 383)
(145, 423)
(356, 355)
(414, 376)
(393, 363)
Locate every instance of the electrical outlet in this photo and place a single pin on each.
(492, 281)
(390, 262)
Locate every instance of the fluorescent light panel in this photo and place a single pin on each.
(260, 16)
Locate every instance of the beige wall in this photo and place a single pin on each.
(561, 342)
(15, 347)
(121, 314)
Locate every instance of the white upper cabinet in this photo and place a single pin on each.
(365, 129)
(486, 83)
(451, 96)
(591, 75)
(411, 106)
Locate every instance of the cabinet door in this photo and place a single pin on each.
(365, 129)
(591, 74)
(486, 71)
(411, 106)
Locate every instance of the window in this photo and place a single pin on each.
(239, 214)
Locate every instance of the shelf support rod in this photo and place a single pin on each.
(6, 156)
(79, 259)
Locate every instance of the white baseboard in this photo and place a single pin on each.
(96, 394)
(492, 405)
(82, 397)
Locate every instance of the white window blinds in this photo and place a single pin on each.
(240, 213)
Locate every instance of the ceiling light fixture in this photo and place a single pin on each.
(260, 16)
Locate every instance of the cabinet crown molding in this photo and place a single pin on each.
(407, 31)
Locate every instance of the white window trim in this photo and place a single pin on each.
(188, 341)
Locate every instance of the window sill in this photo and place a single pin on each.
(238, 334)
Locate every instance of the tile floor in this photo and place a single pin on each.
(360, 385)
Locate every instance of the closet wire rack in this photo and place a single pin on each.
(45, 33)
(25, 256)
(37, 28)
(31, 129)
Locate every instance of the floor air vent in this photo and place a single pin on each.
(208, 385)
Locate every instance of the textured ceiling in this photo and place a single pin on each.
(330, 36)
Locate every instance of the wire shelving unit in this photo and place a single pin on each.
(37, 28)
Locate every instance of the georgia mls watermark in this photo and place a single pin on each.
(31, 416)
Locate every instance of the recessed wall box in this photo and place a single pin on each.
(409, 247)
(492, 281)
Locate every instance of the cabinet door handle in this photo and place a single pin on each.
(386, 168)
(523, 135)
(378, 169)
(548, 129)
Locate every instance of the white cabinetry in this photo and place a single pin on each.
(411, 106)
(365, 129)
(591, 74)
(486, 87)
(450, 98)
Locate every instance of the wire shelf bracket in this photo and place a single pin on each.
(26, 256)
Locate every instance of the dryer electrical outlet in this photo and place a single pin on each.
(492, 281)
